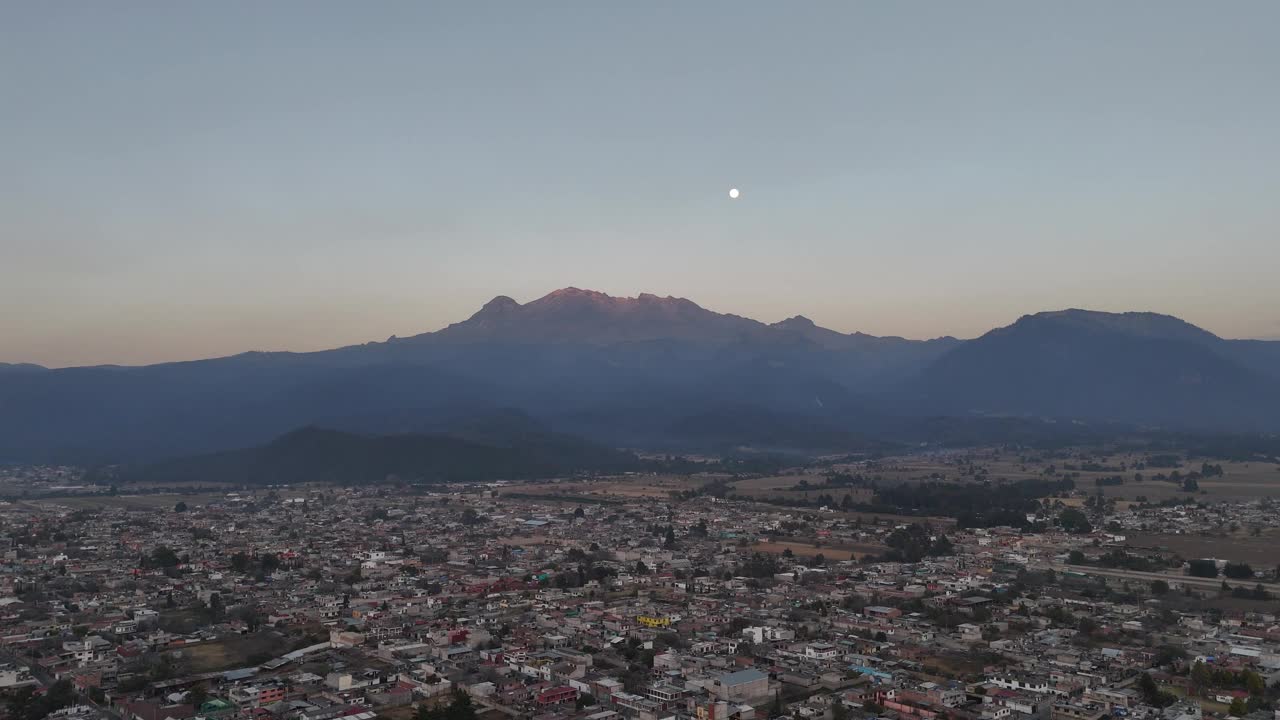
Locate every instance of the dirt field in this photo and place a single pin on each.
(128, 502)
(1241, 481)
(532, 540)
(836, 551)
(638, 486)
(231, 653)
(1260, 552)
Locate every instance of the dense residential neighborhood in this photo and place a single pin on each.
(399, 602)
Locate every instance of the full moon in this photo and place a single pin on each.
(733, 193)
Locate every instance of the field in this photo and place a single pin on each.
(834, 551)
(126, 502)
(231, 653)
(1241, 481)
(662, 486)
(622, 487)
(1260, 551)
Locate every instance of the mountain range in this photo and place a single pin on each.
(654, 372)
(502, 446)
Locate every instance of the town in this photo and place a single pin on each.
(707, 596)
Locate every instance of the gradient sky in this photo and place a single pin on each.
(180, 180)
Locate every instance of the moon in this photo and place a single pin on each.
(733, 193)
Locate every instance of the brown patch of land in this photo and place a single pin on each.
(231, 653)
(1259, 551)
(835, 551)
(631, 486)
(126, 502)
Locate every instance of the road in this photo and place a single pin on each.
(1172, 579)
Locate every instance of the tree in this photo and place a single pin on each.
(1148, 688)
(25, 705)
(164, 557)
(1202, 568)
(1201, 676)
(1074, 521)
(197, 696)
(1159, 587)
(1238, 708)
(269, 563)
(460, 707)
(1075, 557)
(1237, 571)
(216, 608)
(180, 507)
(1254, 683)
(641, 568)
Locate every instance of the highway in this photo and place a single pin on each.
(1147, 577)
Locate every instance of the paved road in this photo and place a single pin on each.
(1185, 580)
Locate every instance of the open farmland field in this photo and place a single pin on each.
(835, 551)
(127, 502)
(636, 486)
(1240, 481)
(1260, 551)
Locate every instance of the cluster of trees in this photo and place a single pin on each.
(760, 565)
(460, 707)
(1238, 571)
(1166, 460)
(915, 542)
(667, 533)
(1152, 694)
(24, 704)
(1257, 592)
(260, 566)
(972, 504)
(1074, 521)
(1207, 470)
(162, 557)
(717, 488)
(846, 503)
(1204, 677)
(1209, 569)
(586, 573)
(816, 561)
(1115, 558)
(1202, 568)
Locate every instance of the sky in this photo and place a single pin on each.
(184, 180)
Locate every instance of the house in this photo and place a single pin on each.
(821, 651)
(748, 686)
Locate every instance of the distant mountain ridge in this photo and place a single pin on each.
(658, 372)
(20, 367)
(1136, 367)
(313, 454)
